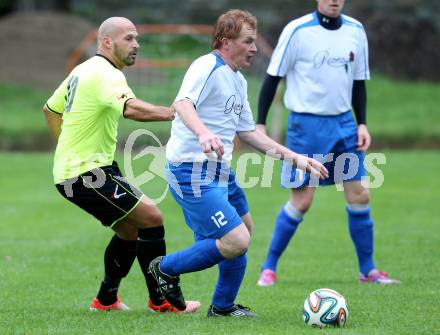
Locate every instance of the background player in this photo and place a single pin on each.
(324, 57)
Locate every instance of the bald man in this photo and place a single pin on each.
(82, 116)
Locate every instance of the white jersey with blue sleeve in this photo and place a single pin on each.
(219, 96)
(320, 64)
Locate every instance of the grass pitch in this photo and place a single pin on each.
(400, 111)
(51, 259)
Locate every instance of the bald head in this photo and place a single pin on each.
(113, 26)
(117, 41)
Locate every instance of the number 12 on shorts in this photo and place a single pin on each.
(218, 219)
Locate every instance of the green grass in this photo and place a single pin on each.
(51, 258)
(403, 108)
(396, 110)
(172, 46)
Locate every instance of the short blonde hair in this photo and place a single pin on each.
(229, 25)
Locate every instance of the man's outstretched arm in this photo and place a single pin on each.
(139, 110)
(263, 143)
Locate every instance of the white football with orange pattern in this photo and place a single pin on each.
(325, 307)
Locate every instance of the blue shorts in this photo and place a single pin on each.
(329, 139)
(212, 202)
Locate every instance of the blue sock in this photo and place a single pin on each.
(231, 273)
(285, 227)
(361, 231)
(201, 255)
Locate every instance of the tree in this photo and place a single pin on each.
(32, 5)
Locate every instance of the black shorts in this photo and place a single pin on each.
(102, 192)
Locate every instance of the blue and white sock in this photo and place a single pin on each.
(285, 226)
(361, 229)
(201, 255)
(231, 273)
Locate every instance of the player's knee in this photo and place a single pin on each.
(235, 247)
(303, 205)
(153, 219)
(240, 247)
(156, 219)
(361, 196)
(126, 231)
(234, 251)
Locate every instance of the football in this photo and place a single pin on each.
(325, 307)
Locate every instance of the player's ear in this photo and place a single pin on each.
(225, 43)
(107, 42)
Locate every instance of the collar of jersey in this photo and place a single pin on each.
(108, 60)
(330, 23)
(220, 60)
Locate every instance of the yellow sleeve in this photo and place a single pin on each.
(116, 92)
(57, 101)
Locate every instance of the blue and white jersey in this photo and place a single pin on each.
(320, 64)
(219, 95)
